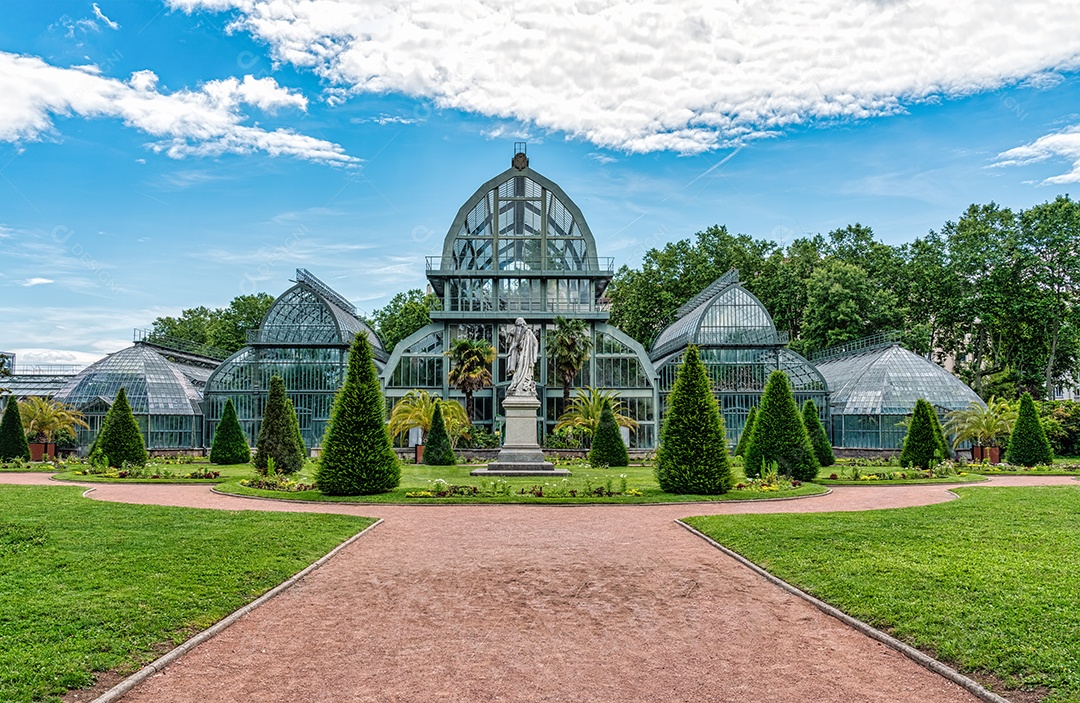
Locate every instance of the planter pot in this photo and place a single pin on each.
(40, 451)
(993, 454)
(419, 454)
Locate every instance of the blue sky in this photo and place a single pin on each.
(165, 154)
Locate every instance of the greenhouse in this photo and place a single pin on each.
(875, 383)
(304, 338)
(164, 388)
(740, 347)
(520, 247)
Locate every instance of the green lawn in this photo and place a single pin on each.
(966, 478)
(171, 473)
(989, 583)
(90, 586)
(416, 478)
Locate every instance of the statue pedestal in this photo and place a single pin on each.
(521, 454)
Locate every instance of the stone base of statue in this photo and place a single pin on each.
(520, 454)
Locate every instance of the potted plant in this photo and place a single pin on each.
(985, 426)
(42, 419)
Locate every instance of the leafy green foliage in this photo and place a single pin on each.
(12, 437)
(819, 440)
(747, 432)
(471, 361)
(230, 445)
(120, 439)
(843, 303)
(608, 448)
(357, 457)
(279, 433)
(693, 454)
(583, 414)
(223, 328)
(417, 408)
(134, 577)
(1009, 558)
(42, 418)
(1028, 445)
(779, 434)
(437, 449)
(405, 313)
(922, 447)
(568, 348)
(1061, 420)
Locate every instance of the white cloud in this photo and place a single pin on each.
(101, 16)
(1064, 144)
(36, 282)
(683, 75)
(204, 122)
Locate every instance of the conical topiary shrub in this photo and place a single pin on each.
(120, 439)
(1028, 445)
(357, 457)
(693, 455)
(279, 433)
(939, 436)
(608, 448)
(747, 430)
(780, 435)
(230, 445)
(437, 449)
(12, 435)
(922, 448)
(818, 439)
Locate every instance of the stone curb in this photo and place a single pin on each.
(119, 690)
(971, 686)
(828, 490)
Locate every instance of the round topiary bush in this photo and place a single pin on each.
(1028, 445)
(357, 457)
(230, 445)
(13, 443)
(437, 449)
(693, 455)
(120, 439)
(608, 448)
(780, 435)
(819, 440)
(279, 434)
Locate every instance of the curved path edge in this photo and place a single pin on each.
(971, 686)
(119, 690)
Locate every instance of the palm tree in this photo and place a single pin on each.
(44, 417)
(983, 425)
(584, 412)
(416, 409)
(569, 346)
(471, 369)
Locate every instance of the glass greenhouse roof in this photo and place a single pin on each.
(26, 385)
(888, 380)
(154, 385)
(724, 315)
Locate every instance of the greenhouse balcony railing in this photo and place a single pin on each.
(596, 264)
(177, 344)
(48, 370)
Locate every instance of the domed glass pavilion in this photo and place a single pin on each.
(740, 347)
(875, 383)
(304, 338)
(520, 247)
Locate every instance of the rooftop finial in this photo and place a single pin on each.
(520, 160)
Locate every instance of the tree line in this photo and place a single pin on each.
(997, 290)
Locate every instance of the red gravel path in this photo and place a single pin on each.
(521, 603)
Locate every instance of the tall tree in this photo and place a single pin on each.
(405, 313)
(843, 304)
(357, 456)
(223, 328)
(568, 347)
(471, 361)
(5, 370)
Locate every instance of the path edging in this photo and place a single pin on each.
(121, 689)
(971, 686)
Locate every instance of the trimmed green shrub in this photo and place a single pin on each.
(12, 436)
(939, 436)
(780, 435)
(357, 457)
(922, 448)
(818, 439)
(279, 433)
(747, 431)
(437, 449)
(300, 444)
(230, 445)
(608, 448)
(693, 454)
(120, 439)
(1028, 445)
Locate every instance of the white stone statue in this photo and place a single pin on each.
(519, 364)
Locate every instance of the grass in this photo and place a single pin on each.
(988, 583)
(37, 467)
(91, 586)
(228, 471)
(416, 478)
(966, 478)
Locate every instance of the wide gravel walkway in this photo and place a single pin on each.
(522, 603)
